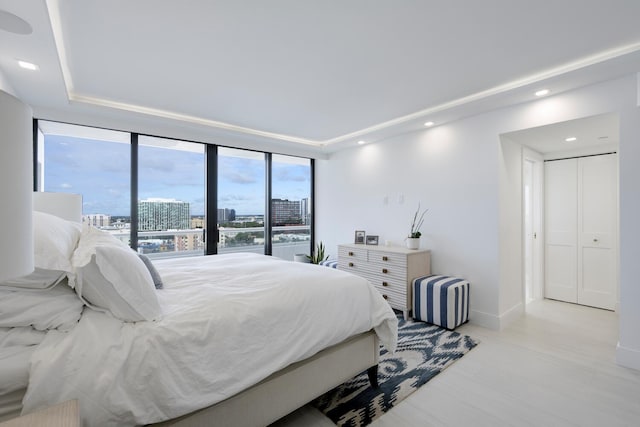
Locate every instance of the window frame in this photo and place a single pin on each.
(211, 186)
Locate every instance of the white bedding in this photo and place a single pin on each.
(55, 308)
(25, 316)
(228, 322)
(16, 347)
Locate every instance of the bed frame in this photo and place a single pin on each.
(287, 390)
(282, 392)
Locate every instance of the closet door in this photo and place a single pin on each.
(597, 224)
(561, 204)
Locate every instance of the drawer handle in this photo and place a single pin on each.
(350, 264)
(385, 258)
(385, 284)
(350, 253)
(385, 297)
(385, 271)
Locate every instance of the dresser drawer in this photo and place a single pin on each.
(353, 260)
(388, 264)
(359, 254)
(387, 271)
(387, 284)
(378, 257)
(395, 301)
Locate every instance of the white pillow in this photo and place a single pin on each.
(90, 238)
(114, 278)
(55, 239)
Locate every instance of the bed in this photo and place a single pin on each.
(238, 339)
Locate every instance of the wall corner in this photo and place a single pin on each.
(627, 357)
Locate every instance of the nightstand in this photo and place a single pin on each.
(65, 414)
(391, 269)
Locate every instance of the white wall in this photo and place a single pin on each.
(5, 85)
(468, 180)
(511, 304)
(628, 352)
(431, 168)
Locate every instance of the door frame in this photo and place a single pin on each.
(537, 160)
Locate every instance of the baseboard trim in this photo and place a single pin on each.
(486, 320)
(628, 357)
(511, 315)
(496, 323)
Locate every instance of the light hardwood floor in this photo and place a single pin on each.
(553, 367)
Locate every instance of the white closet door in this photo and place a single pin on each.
(561, 204)
(597, 219)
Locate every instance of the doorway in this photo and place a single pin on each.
(576, 138)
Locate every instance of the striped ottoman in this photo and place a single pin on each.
(333, 263)
(441, 300)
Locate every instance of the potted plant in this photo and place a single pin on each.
(413, 239)
(318, 255)
(301, 258)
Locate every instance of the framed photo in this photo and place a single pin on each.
(372, 240)
(359, 237)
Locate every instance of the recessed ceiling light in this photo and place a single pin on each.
(27, 65)
(571, 139)
(361, 142)
(543, 92)
(429, 124)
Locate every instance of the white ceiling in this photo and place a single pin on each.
(324, 73)
(594, 134)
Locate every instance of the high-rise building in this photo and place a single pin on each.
(285, 212)
(163, 214)
(305, 211)
(226, 215)
(97, 220)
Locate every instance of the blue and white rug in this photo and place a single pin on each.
(423, 351)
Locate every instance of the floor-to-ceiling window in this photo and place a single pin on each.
(95, 163)
(290, 206)
(241, 201)
(171, 197)
(153, 193)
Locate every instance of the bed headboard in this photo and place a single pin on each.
(64, 205)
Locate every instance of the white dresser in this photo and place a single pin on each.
(391, 269)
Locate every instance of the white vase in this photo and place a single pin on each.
(413, 242)
(300, 258)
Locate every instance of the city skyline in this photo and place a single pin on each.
(100, 172)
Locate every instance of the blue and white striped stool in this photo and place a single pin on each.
(332, 263)
(441, 300)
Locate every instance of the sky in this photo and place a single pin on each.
(100, 172)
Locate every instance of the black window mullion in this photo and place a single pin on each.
(268, 247)
(211, 200)
(312, 227)
(36, 184)
(134, 192)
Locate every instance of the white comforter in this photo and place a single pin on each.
(228, 322)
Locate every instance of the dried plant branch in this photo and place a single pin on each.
(416, 224)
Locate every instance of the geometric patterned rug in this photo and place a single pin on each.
(423, 351)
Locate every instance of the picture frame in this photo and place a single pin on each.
(359, 237)
(372, 239)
